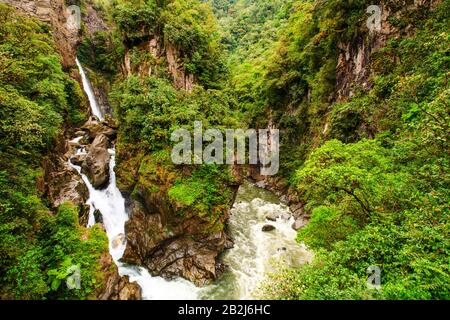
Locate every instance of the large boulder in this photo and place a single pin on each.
(172, 246)
(193, 260)
(93, 128)
(300, 223)
(116, 287)
(78, 159)
(301, 216)
(61, 183)
(96, 164)
(268, 228)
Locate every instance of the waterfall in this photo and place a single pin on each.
(111, 205)
(88, 89)
(248, 261)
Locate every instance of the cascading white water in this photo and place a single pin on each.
(249, 260)
(111, 205)
(88, 89)
(255, 252)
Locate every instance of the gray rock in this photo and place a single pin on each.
(268, 228)
(93, 127)
(96, 164)
(98, 216)
(299, 223)
(116, 287)
(78, 159)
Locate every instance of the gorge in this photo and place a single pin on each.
(86, 175)
(248, 260)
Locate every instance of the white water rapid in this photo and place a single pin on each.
(111, 205)
(255, 252)
(248, 261)
(89, 92)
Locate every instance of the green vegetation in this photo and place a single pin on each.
(379, 196)
(371, 166)
(203, 191)
(36, 99)
(187, 27)
(149, 110)
(149, 107)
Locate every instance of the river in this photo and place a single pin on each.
(253, 254)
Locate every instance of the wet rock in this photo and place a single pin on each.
(116, 287)
(96, 164)
(118, 240)
(193, 260)
(274, 216)
(78, 159)
(297, 210)
(74, 144)
(60, 183)
(65, 185)
(229, 244)
(284, 199)
(83, 214)
(129, 290)
(169, 245)
(300, 223)
(93, 127)
(98, 216)
(268, 228)
(221, 268)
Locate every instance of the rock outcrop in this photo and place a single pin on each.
(116, 287)
(55, 13)
(60, 183)
(166, 237)
(93, 128)
(268, 228)
(354, 64)
(163, 53)
(96, 164)
(169, 245)
(181, 79)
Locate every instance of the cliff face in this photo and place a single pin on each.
(353, 68)
(165, 59)
(354, 72)
(354, 63)
(164, 235)
(181, 79)
(60, 182)
(53, 12)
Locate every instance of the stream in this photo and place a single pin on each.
(253, 254)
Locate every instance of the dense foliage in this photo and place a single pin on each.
(372, 167)
(36, 98)
(379, 195)
(188, 27)
(375, 180)
(148, 111)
